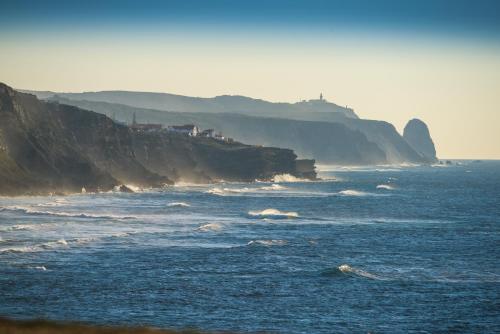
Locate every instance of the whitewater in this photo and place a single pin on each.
(393, 249)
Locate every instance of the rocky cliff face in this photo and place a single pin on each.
(35, 153)
(52, 147)
(184, 158)
(328, 142)
(416, 133)
(109, 145)
(328, 137)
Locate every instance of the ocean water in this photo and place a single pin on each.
(388, 249)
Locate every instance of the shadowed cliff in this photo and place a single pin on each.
(312, 129)
(52, 147)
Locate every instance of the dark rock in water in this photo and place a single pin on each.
(124, 189)
(417, 135)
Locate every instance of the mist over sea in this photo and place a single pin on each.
(392, 249)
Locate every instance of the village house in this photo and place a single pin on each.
(187, 129)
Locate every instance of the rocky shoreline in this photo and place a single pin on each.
(48, 147)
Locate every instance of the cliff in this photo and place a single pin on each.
(52, 147)
(184, 158)
(325, 137)
(416, 133)
(36, 155)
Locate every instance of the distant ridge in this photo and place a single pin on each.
(223, 103)
(315, 129)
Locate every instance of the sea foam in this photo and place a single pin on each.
(30, 211)
(346, 269)
(273, 213)
(350, 192)
(287, 178)
(385, 186)
(228, 191)
(178, 204)
(273, 187)
(210, 227)
(267, 243)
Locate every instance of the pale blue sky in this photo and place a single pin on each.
(392, 60)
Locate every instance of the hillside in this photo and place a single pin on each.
(52, 147)
(326, 137)
(225, 103)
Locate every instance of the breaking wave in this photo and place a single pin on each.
(210, 227)
(267, 243)
(53, 244)
(133, 188)
(385, 186)
(57, 202)
(36, 248)
(29, 211)
(27, 227)
(274, 187)
(227, 191)
(216, 191)
(345, 269)
(178, 204)
(273, 213)
(287, 178)
(350, 192)
(42, 268)
(61, 243)
(237, 191)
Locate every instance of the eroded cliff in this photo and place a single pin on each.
(51, 147)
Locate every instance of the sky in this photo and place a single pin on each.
(390, 60)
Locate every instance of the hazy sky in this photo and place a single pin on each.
(391, 60)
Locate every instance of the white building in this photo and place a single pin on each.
(187, 129)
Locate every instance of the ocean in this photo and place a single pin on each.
(384, 249)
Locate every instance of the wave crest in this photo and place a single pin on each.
(267, 243)
(210, 227)
(346, 269)
(178, 204)
(273, 187)
(30, 211)
(287, 178)
(350, 192)
(385, 186)
(273, 213)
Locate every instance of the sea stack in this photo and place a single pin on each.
(416, 133)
